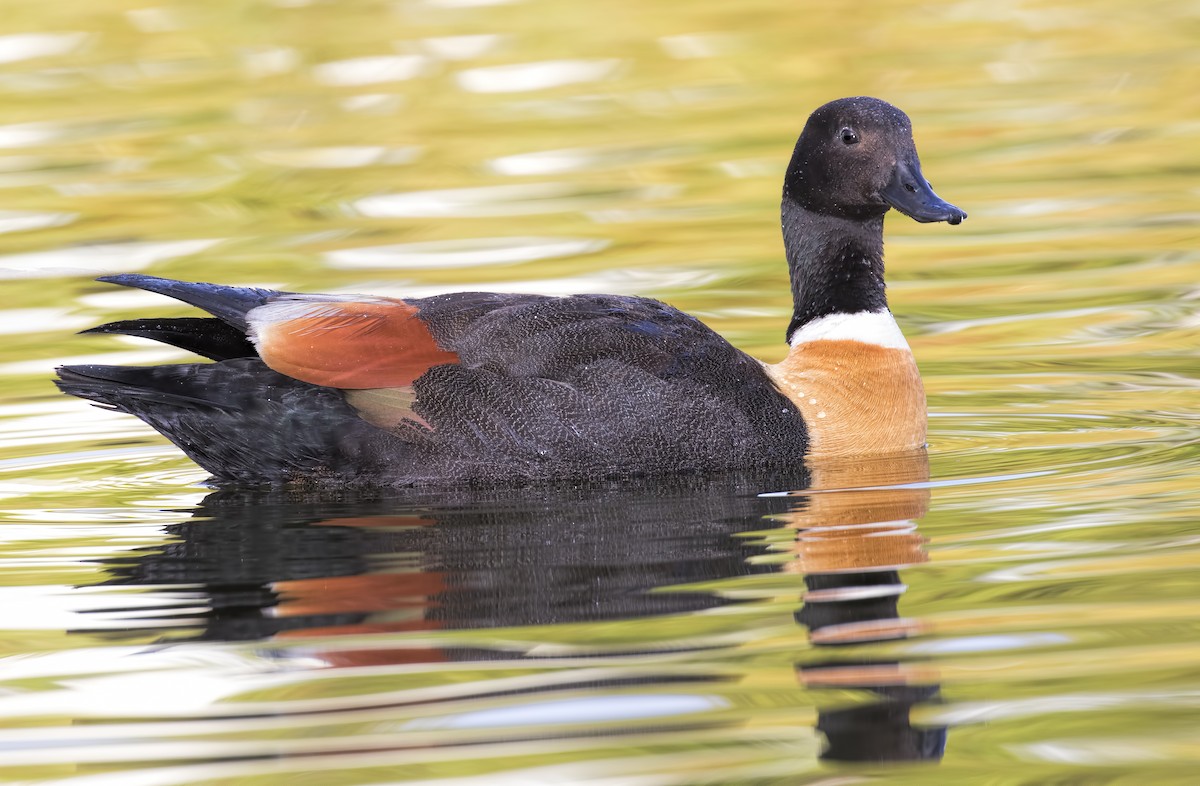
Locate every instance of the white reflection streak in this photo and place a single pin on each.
(929, 484)
(345, 157)
(94, 259)
(61, 608)
(546, 162)
(567, 160)
(155, 743)
(506, 200)
(71, 425)
(338, 755)
(468, 3)
(259, 63)
(955, 326)
(29, 134)
(153, 20)
(20, 321)
(990, 643)
(464, 253)
(145, 357)
(461, 47)
(24, 220)
(1099, 753)
(181, 684)
(26, 46)
(483, 201)
(616, 281)
(987, 712)
(695, 45)
(371, 70)
(587, 709)
(526, 77)
(373, 102)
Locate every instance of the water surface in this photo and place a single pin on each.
(1018, 609)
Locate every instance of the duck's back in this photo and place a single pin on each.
(504, 387)
(596, 383)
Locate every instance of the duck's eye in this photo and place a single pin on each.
(849, 137)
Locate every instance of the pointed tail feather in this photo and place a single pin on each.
(210, 338)
(229, 304)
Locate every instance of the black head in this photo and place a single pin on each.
(855, 159)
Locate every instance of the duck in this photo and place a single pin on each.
(490, 388)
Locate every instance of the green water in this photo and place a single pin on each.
(1028, 615)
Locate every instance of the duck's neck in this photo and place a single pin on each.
(836, 264)
(850, 371)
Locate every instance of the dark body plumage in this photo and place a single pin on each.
(589, 386)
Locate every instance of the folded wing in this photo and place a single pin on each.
(351, 343)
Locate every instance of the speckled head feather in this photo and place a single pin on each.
(846, 155)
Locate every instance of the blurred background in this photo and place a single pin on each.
(417, 146)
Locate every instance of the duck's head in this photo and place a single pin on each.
(855, 159)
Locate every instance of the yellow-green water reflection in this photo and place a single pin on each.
(410, 147)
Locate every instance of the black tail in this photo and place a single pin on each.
(236, 418)
(210, 338)
(242, 421)
(229, 304)
(132, 389)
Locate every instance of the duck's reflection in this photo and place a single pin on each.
(252, 566)
(287, 563)
(850, 547)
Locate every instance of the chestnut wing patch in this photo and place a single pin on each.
(352, 343)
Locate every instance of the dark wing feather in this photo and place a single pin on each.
(598, 384)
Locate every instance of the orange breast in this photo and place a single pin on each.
(857, 399)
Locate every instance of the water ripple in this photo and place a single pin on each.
(91, 260)
(528, 77)
(470, 252)
(502, 200)
(372, 70)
